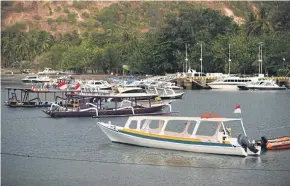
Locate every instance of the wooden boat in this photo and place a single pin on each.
(90, 105)
(31, 97)
(168, 93)
(151, 131)
(274, 144)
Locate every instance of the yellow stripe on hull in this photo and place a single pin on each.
(170, 137)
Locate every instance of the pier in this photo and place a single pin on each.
(200, 82)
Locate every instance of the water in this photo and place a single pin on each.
(37, 150)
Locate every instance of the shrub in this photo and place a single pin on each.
(37, 17)
(71, 17)
(53, 27)
(84, 24)
(58, 9)
(16, 27)
(60, 19)
(66, 10)
(85, 14)
(18, 8)
(49, 21)
(80, 4)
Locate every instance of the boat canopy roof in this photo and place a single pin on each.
(129, 95)
(39, 90)
(183, 118)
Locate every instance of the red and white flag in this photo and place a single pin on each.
(62, 85)
(238, 109)
(78, 86)
(33, 87)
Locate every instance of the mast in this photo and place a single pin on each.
(186, 59)
(230, 59)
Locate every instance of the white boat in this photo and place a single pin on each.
(43, 79)
(48, 71)
(232, 82)
(99, 84)
(153, 131)
(127, 90)
(30, 79)
(262, 85)
(168, 93)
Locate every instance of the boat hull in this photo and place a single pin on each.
(223, 87)
(243, 87)
(117, 136)
(92, 113)
(267, 88)
(177, 96)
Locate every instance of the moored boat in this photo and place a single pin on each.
(151, 131)
(35, 97)
(98, 106)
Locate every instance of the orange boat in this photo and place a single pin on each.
(274, 144)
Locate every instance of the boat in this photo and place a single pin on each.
(262, 85)
(99, 84)
(35, 97)
(96, 105)
(168, 93)
(48, 71)
(30, 79)
(232, 82)
(157, 132)
(275, 143)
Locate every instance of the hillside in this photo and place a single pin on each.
(67, 16)
(148, 36)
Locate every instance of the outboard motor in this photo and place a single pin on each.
(264, 142)
(245, 143)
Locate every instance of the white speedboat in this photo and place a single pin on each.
(151, 131)
(232, 82)
(262, 85)
(30, 79)
(43, 79)
(48, 71)
(99, 84)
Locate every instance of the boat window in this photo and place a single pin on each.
(191, 127)
(135, 91)
(133, 124)
(98, 83)
(207, 128)
(154, 124)
(175, 126)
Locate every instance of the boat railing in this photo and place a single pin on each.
(170, 109)
(125, 101)
(56, 105)
(123, 108)
(94, 107)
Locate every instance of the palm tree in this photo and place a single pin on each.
(258, 22)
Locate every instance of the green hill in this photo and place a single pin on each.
(149, 36)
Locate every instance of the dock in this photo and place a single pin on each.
(200, 82)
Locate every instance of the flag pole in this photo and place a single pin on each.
(242, 123)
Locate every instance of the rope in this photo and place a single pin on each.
(142, 164)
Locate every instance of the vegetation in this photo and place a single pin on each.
(152, 41)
